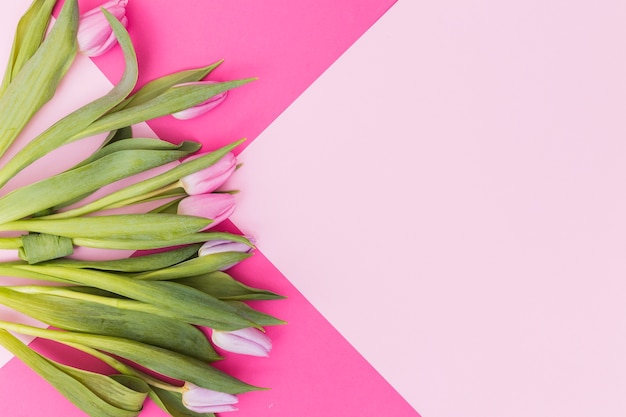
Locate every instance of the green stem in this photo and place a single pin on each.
(31, 330)
(78, 211)
(146, 196)
(8, 269)
(10, 242)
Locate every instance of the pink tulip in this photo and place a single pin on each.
(248, 341)
(210, 178)
(203, 107)
(95, 35)
(217, 207)
(202, 400)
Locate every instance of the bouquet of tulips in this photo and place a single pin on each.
(146, 316)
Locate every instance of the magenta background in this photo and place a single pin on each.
(285, 44)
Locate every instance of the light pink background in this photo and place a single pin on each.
(448, 194)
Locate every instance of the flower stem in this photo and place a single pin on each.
(96, 206)
(10, 242)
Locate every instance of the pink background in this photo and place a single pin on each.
(448, 195)
(454, 182)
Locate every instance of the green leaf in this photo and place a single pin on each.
(75, 391)
(11, 269)
(36, 82)
(55, 308)
(111, 389)
(155, 88)
(66, 186)
(28, 36)
(155, 183)
(174, 99)
(135, 264)
(38, 247)
(162, 361)
(10, 242)
(256, 316)
(172, 403)
(187, 147)
(63, 131)
(155, 244)
(126, 145)
(159, 226)
(195, 266)
(173, 299)
(125, 132)
(223, 286)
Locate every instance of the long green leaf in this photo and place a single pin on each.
(111, 390)
(177, 300)
(149, 226)
(146, 144)
(195, 266)
(64, 130)
(256, 316)
(86, 316)
(28, 36)
(140, 144)
(135, 264)
(75, 391)
(36, 82)
(172, 100)
(77, 182)
(151, 184)
(163, 361)
(155, 244)
(157, 87)
(223, 286)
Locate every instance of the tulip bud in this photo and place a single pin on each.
(218, 246)
(203, 107)
(212, 247)
(95, 35)
(217, 207)
(202, 400)
(210, 178)
(248, 341)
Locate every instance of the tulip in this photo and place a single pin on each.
(218, 246)
(202, 400)
(203, 107)
(217, 207)
(248, 341)
(210, 178)
(95, 35)
(212, 247)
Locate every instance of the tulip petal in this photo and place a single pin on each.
(217, 207)
(209, 179)
(247, 341)
(203, 107)
(202, 400)
(95, 35)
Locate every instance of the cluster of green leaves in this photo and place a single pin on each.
(144, 310)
